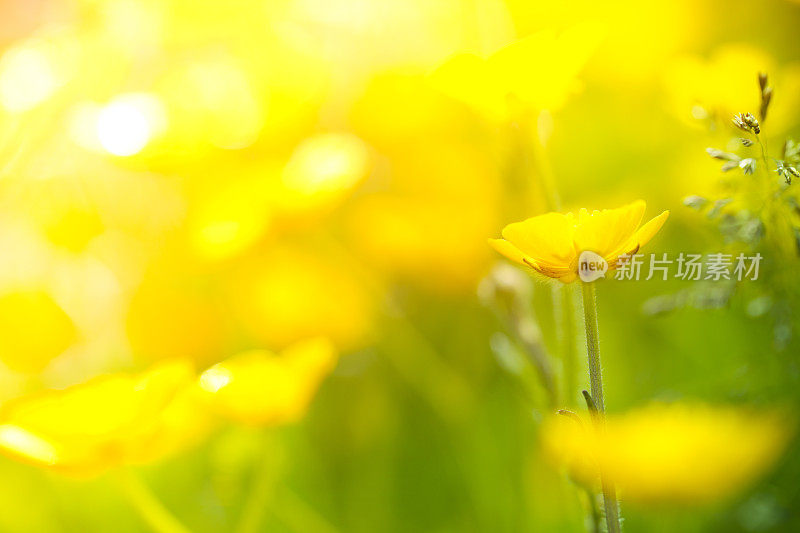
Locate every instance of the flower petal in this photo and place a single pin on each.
(545, 238)
(508, 250)
(639, 239)
(605, 231)
(649, 230)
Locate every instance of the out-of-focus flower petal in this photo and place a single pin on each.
(260, 388)
(679, 453)
(108, 421)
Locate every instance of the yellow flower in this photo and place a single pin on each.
(33, 330)
(670, 453)
(288, 294)
(540, 71)
(550, 244)
(258, 387)
(106, 422)
(322, 171)
(390, 228)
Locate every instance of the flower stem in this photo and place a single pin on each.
(258, 499)
(147, 504)
(763, 152)
(568, 344)
(596, 382)
(594, 513)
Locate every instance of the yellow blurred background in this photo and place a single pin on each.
(220, 182)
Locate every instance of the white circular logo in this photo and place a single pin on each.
(591, 266)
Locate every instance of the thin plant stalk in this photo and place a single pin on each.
(296, 513)
(259, 496)
(594, 517)
(149, 507)
(522, 323)
(763, 152)
(596, 383)
(561, 295)
(569, 347)
(267, 496)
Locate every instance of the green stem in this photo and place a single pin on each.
(569, 347)
(596, 382)
(763, 152)
(258, 498)
(147, 504)
(593, 345)
(408, 350)
(523, 324)
(299, 515)
(594, 512)
(544, 169)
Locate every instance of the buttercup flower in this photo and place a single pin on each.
(516, 70)
(551, 244)
(258, 387)
(108, 421)
(680, 453)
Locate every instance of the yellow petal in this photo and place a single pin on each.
(545, 238)
(508, 250)
(639, 239)
(603, 232)
(672, 453)
(649, 230)
(554, 62)
(258, 387)
(105, 422)
(466, 77)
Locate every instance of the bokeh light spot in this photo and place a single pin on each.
(25, 443)
(127, 124)
(26, 79)
(323, 168)
(215, 378)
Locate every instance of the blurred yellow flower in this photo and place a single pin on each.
(106, 422)
(33, 330)
(726, 83)
(289, 294)
(60, 207)
(678, 453)
(426, 187)
(167, 318)
(632, 52)
(228, 218)
(551, 244)
(259, 387)
(321, 172)
(540, 71)
(394, 233)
